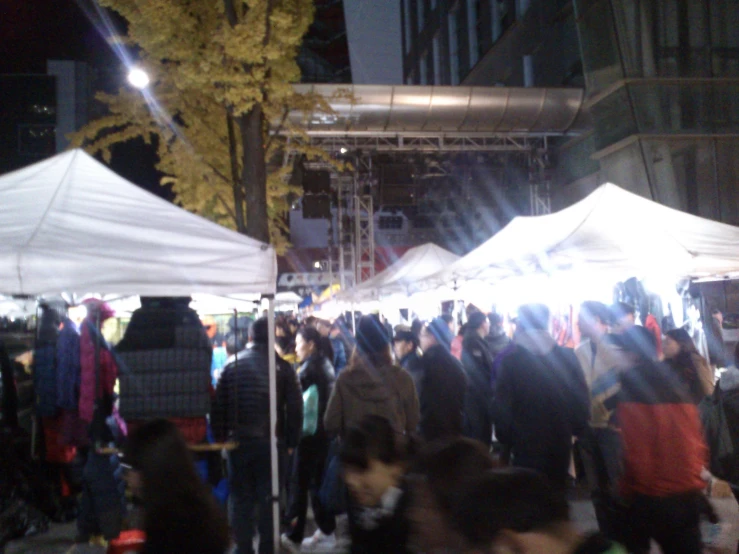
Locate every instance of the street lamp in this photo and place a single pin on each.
(138, 78)
(317, 265)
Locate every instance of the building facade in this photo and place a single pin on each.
(661, 80)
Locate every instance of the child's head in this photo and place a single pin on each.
(374, 458)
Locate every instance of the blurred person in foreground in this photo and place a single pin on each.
(375, 460)
(541, 400)
(623, 318)
(436, 478)
(180, 513)
(664, 453)
(693, 369)
(241, 413)
(516, 510)
(443, 385)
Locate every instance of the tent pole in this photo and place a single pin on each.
(271, 354)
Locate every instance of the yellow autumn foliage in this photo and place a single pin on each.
(205, 67)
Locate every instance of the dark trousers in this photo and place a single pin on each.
(600, 452)
(250, 481)
(673, 522)
(310, 464)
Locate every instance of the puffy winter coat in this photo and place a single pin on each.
(90, 337)
(242, 398)
(360, 391)
(68, 366)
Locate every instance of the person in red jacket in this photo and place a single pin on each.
(663, 452)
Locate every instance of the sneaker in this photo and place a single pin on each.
(289, 545)
(319, 542)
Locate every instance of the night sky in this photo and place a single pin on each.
(33, 31)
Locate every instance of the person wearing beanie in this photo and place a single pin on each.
(443, 385)
(477, 361)
(372, 384)
(541, 398)
(405, 347)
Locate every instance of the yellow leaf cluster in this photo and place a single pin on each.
(203, 67)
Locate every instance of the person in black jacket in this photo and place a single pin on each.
(405, 348)
(542, 400)
(310, 460)
(241, 412)
(478, 365)
(443, 386)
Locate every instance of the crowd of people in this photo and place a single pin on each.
(435, 441)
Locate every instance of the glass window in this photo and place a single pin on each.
(472, 14)
(407, 26)
(437, 60)
(454, 47)
(36, 140)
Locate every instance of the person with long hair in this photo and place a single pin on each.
(375, 460)
(692, 368)
(372, 385)
(317, 380)
(180, 514)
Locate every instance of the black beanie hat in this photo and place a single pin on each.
(372, 337)
(476, 320)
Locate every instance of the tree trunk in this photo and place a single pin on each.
(236, 182)
(254, 177)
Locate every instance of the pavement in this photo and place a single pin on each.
(60, 538)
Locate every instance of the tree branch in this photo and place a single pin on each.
(285, 114)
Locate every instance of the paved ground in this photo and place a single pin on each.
(59, 539)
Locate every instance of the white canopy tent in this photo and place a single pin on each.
(69, 224)
(611, 232)
(402, 276)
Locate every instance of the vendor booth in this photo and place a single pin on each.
(70, 225)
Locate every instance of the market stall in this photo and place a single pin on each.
(70, 225)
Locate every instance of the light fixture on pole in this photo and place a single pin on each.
(138, 78)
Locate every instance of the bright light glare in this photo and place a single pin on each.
(343, 150)
(317, 265)
(138, 78)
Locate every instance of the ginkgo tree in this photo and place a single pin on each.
(221, 90)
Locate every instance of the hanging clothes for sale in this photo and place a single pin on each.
(44, 361)
(98, 369)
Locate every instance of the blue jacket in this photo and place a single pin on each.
(339, 355)
(68, 366)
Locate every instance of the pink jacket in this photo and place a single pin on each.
(108, 369)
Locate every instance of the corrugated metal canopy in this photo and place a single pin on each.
(375, 109)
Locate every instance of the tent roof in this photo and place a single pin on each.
(71, 224)
(402, 276)
(611, 231)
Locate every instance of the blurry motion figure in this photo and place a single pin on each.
(443, 386)
(241, 412)
(715, 338)
(339, 359)
(436, 478)
(517, 510)
(541, 399)
(659, 422)
(623, 317)
(405, 347)
(375, 460)
(180, 514)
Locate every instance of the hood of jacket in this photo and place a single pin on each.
(535, 341)
(369, 384)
